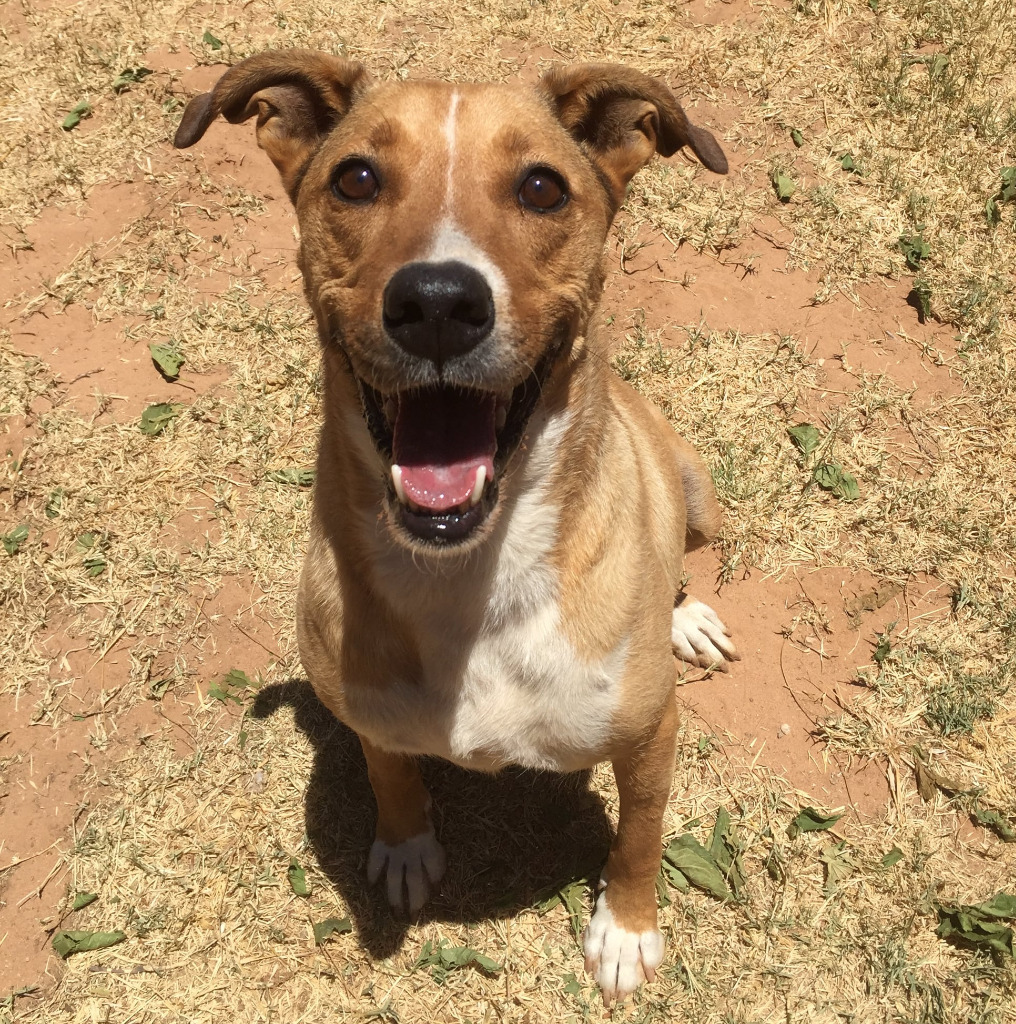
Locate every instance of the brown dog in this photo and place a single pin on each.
(499, 522)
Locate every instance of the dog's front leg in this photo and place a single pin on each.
(405, 843)
(623, 945)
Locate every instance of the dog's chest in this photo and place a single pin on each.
(517, 694)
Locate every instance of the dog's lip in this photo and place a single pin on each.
(450, 526)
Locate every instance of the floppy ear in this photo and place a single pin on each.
(622, 117)
(298, 96)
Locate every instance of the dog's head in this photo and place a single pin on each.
(451, 242)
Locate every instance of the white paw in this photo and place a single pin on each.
(699, 638)
(618, 959)
(414, 868)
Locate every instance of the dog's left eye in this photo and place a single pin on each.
(355, 181)
(543, 190)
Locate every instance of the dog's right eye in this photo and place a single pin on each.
(355, 181)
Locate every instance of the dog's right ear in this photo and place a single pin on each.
(298, 96)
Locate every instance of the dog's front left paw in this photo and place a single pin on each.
(619, 960)
(415, 866)
(700, 638)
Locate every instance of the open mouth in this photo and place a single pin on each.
(447, 447)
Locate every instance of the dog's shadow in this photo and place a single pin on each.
(512, 839)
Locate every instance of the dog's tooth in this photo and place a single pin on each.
(481, 479)
(397, 480)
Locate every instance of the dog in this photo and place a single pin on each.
(499, 522)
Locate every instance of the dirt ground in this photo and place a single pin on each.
(877, 634)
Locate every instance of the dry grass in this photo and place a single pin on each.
(191, 833)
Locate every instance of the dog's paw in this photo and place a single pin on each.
(414, 868)
(699, 638)
(618, 959)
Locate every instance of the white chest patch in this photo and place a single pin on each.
(504, 685)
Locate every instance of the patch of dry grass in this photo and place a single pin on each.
(189, 850)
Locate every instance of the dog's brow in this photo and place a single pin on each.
(385, 133)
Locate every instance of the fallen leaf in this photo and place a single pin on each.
(726, 851)
(297, 878)
(811, 820)
(914, 249)
(83, 899)
(834, 478)
(54, 503)
(871, 600)
(980, 925)
(919, 297)
(324, 930)
(999, 825)
(838, 866)
(696, 863)
(128, 77)
(79, 111)
(66, 943)
(12, 541)
(894, 856)
(156, 418)
(783, 185)
(293, 475)
(796, 137)
(805, 436)
(209, 40)
(167, 360)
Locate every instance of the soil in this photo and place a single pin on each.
(763, 712)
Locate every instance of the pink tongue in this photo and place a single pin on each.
(442, 437)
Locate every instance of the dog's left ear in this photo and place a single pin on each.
(298, 95)
(623, 116)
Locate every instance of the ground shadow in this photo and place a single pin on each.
(511, 838)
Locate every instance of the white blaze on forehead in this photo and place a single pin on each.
(450, 241)
(449, 134)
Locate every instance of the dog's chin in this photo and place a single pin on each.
(451, 523)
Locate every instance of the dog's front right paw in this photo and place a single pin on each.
(414, 866)
(700, 638)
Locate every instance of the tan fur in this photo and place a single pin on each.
(546, 638)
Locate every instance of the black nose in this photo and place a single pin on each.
(438, 310)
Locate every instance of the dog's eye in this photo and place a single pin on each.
(543, 190)
(355, 181)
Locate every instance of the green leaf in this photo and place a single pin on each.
(920, 298)
(676, 878)
(848, 163)
(216, 692)
(805, 436)
(572, 896)
(572, 985)
(914, 249)
(167, 360)
(838, 866)
(1008, 191)
(697, 865)
(68, 942)
(293, 476)
(992, 214)
(209, 40)
(834, 478)
(86, 541)
(54, 503)
(726, 851)
(883, 648)
(999, 825)
(873, 4)
(783, 185)
(83, 899)
(12, 541)
(128, 77)
(980, 925)
(78, 111)
(894, 856)
(297, 878)
(796, 137)
(811, 820)
(95, 566)
(238, 679)
(156, 418)
(324, 930)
